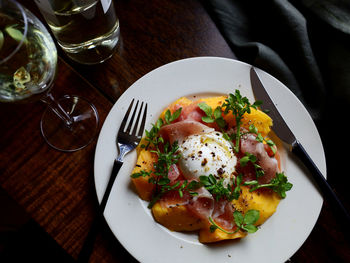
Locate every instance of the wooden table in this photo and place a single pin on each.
(57, 189)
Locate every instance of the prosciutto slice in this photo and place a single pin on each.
(173, 173)
(178, 131)
(223, 214)
(269, 164)
(192, 112)
(202, 205)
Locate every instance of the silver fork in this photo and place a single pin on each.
(129, 136)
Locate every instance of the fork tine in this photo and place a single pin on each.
(137, 120)
(142, 127)
(125, 119)
(128, 129)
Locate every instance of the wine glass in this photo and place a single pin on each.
(28, 61)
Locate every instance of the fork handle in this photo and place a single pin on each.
(88, 245)
(116, 167)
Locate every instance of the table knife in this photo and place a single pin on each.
(282, 130)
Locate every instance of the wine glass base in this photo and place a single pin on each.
(74, 136)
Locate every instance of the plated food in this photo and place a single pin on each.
(210, 165)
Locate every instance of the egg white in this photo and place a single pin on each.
(205, 154)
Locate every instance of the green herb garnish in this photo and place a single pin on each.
(252, 159)
(211, 116)
(152, 136)
(261, 139)
(217, 188)
(171, 117)
(243, 222)
(279, 184)
(239, 106)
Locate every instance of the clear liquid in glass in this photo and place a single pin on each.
(31, 69)
(88, 31)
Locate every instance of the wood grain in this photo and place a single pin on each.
(57, 189)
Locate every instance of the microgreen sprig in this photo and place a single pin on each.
(212, 116)
(243, 222)
(279, 184)
(217, 188)
(239, 106)
(252, 159)
(180, 187)
(261, 139)
(169, 118)
(152, 135)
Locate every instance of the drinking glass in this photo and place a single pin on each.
(86, 30)
(28, 61)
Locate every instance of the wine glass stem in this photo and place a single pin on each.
(54, 105)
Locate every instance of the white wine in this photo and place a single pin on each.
(87, 30)
(28, 59)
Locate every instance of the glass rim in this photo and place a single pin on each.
(25, 20)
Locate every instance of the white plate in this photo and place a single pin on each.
(131, 221)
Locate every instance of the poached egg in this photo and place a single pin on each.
(205, 154)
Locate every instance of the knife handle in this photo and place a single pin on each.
(325, 188)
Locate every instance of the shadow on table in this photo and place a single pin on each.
(22, 239)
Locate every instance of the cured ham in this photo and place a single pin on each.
(178, 131)
(202, 205)
(223, 214)
(191, 112)
(173, 173)
(249, 144)
(173, 199)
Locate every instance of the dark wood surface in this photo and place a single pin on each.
(56, 189)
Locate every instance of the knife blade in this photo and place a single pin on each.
(282, 130)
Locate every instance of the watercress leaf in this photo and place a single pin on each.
(251, 217)
(250, 228)
(163, 181)
(212, 179)
(136, 175)
(257, 104)
(259, 138)
(217, 112)
(259, 171)
(167, 116)
(253, 129)
(238, 217)
(288, 186)
(159, 124)
(221, 122)
(244, 160)
(270, 142)
(239, 179)
(206, 108)
(180, 193)
(175, 115)
(204, 179)
(208, 119)
(252, 157)
(193, 185)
